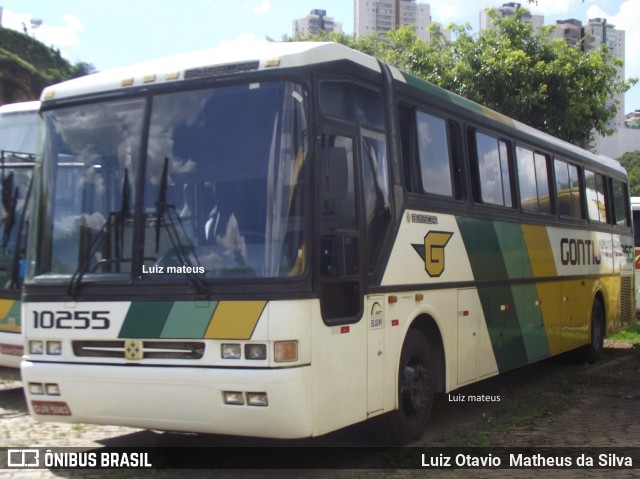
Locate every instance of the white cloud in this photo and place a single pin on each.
(260, 9)
(16, 21)
(552, 7)
(57, 36)
(61, 35)
(245, 40)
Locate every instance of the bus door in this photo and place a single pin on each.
(341, 291)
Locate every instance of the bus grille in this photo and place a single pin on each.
(150, 349)
(625, 300)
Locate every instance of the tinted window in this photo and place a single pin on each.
(352, 102)
(433, 152)
(568, 189)
(533, 178)
(493, 170)
(620, 203)
(596, 198)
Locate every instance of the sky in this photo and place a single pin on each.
(116, 33)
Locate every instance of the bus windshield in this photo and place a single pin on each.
(205, 185)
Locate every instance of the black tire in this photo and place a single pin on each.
(592, 351)
(415, 394)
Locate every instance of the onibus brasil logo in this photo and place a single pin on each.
(432, 251)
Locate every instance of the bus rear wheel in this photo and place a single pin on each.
(415, 394)
(592, 351)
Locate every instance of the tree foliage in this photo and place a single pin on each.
(515, 69)
(28, 66)
(631, 162)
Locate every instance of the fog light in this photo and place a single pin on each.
(36, 389)
(233, 397)
(36, 347)
(255, 351)
(52, 389)
(54, 348)
(286, 351)
(257, 399)
(231, 351)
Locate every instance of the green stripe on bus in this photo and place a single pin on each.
(483, 249)
(513, 248)
(145, 319)
(503, 326)
(495, 251)
(188, 319)
(529, 315)
(526, 299)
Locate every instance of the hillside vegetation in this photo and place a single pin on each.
(27, 66)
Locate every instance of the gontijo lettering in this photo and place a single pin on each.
(578, 252)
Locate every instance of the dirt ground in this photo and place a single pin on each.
(555, 403)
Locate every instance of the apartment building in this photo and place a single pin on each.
(316, 21)
(380, 16)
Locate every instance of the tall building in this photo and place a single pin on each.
(603, 33)
(572, 32)
(315, 22)
(508, 10)
(380, 16)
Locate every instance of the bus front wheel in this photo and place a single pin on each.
(415, 394)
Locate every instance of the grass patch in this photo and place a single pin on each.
(630, 334)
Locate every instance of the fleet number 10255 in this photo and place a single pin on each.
(71, 319)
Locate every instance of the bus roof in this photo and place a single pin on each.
(208, 63)
(22, 107)
(273, 55)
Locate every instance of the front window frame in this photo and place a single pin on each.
(301, 273)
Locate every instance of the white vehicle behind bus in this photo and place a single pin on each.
(19, 129)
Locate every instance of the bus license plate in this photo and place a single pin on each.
(51, 408)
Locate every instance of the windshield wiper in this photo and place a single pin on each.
(115, 217)
(15, 266)
(163, 210)
(9, 203)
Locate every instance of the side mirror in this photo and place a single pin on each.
(335, 173)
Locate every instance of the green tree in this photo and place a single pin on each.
(631, 162)
(27, 66)
(514, 69)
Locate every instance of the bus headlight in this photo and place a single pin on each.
(231, 351)
(52, 389)
(286, 351)
(54, 348)
(36, 388)
(257, 399)
(255, 351)
(233, 397)
(36, 347)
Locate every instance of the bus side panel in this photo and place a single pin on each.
(339, 363)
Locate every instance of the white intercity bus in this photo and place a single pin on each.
(287, 240)
(19, 130)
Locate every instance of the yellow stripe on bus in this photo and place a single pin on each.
(234, 319)
(543, 266)
(5, 307)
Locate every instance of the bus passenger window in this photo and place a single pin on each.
(533, 178)
(568, 193)
(493, 170)
(433, 152)
(352, 102)
(620, 202)
(596, 198)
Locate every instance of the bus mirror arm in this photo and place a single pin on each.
(335, 173)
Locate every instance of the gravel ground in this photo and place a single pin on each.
(553, 403)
